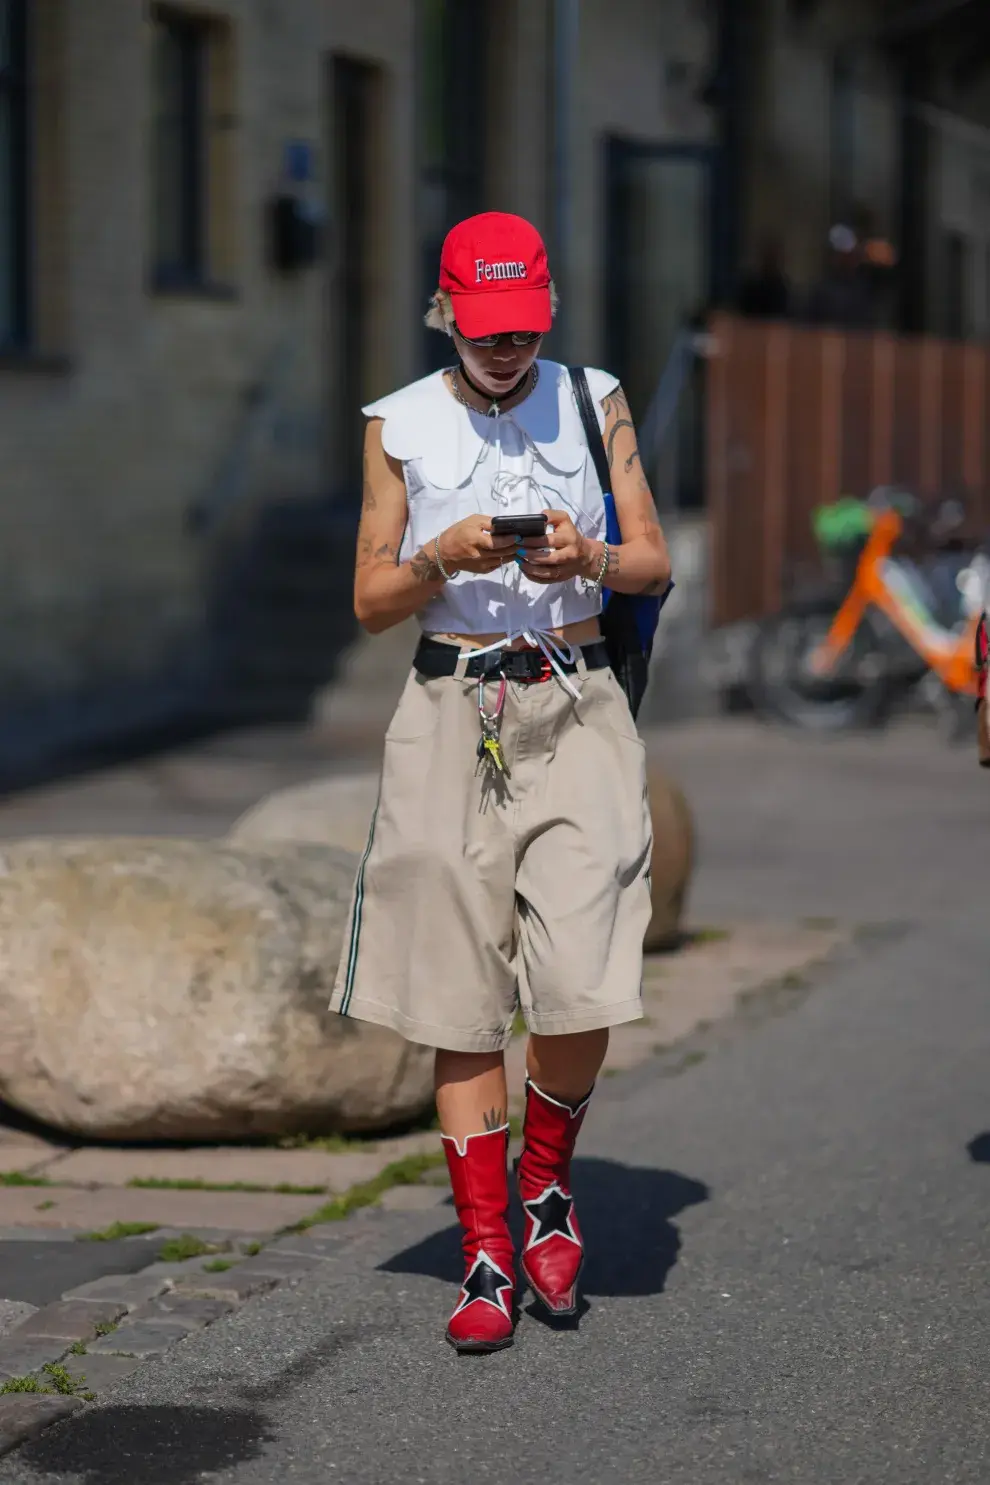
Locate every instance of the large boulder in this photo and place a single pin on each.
(672, 861)
(338, 811)
(168, 989)
(333, 811)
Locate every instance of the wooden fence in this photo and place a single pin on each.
(798, 417)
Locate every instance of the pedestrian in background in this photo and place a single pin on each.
(508, 860)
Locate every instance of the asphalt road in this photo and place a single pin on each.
(788, 1255)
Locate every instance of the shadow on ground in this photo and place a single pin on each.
(625, 1214)
(148, 1446)
(979, 1149)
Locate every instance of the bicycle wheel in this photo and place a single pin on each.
(784, 687)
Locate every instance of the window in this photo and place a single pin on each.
(193, 129)
(179, 150)
(14, 326)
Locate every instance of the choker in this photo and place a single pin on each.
(495, 408)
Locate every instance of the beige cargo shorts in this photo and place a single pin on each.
(479, 894)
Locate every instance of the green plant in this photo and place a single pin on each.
(78, 1348)
(218, 1266)
(44, 1206)
(23, 1384)
(406, 1172)
(107, 1327)
(252, 1249)
(61, 1380)
(153, 1183)
(709, 936)
(178, 1249)
(119, 1230)
(22, 1178)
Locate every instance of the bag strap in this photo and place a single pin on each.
(592, 432)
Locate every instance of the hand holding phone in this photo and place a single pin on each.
(520, 525)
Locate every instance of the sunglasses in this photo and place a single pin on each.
(489, 342)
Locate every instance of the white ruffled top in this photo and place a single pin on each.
(457, 462)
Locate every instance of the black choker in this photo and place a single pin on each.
(480, 391)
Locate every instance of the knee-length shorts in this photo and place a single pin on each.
(480, 894)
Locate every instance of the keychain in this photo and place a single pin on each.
(491, 726)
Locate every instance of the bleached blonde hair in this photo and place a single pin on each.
(440, 315)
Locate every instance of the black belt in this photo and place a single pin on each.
(435, 659)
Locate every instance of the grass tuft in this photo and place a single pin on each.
(154, 1183)
(21, 1178)
(24, 1384)
(407, 1172)
(78, 1348)
(119, 1230)
(60, 1379)
(218, 1266)
(107, 1327)
(186, 1245)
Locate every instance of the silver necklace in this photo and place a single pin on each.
(494, 410)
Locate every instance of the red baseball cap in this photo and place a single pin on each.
(494, 267)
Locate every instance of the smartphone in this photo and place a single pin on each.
(520, 525)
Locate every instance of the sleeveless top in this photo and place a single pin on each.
(457, 462)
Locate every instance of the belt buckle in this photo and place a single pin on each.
(543, 674)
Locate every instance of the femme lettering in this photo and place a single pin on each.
(498, 270)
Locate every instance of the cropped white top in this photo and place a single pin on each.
(457, 462)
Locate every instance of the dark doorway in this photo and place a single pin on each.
(658, 277)
(452, 115)
(354, 92)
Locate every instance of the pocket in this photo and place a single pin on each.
(418, 710)
(613, 706)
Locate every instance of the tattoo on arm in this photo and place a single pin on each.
(424, 569)
(494, 1119)
(369, 500)
(621, 423)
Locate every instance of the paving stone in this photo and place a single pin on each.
(179, 1309)
(219, 1166)
(24, 1414)
(280, 1265)
(189, 1211)
(235, 1285)
(97, 1373)
(129, 1290)
(21, 1358)
(138, 1340)
(13, 1312)
(307, 1245)
(414, 1198)
(71, 1319)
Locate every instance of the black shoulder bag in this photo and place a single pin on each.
(629, 620)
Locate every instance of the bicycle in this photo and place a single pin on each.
(828, 663)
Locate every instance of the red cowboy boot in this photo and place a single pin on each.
(484, 1318)
(552, 1249)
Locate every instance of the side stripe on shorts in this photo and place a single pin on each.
(352, 948)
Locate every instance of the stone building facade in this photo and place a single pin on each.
(166, 372)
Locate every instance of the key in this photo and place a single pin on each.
(493, 748)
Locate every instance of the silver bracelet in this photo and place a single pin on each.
(438, 564)
(596, 586)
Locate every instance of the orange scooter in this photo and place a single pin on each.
(825, 666)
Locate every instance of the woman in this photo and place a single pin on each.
(508, 859)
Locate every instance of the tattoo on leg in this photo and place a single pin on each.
(494, 1119)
